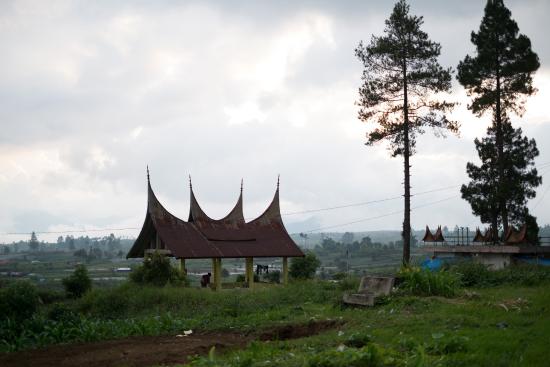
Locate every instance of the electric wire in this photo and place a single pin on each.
(284, 214)
(381, 216)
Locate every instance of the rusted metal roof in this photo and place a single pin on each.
(487, 237)
(516, 237)
(437, 237)
(204, 237)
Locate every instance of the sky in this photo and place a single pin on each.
(91, 92)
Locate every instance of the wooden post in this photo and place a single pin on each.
(285, 270)
(214, 276)
(182, 266)
(250, 272)
(217, 265)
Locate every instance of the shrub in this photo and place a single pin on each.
(427, 283)
(78, 283)
(304, 267)
(19, 301)
(473, 274)
(240, 278)
(157, 270)
(61, 312)
(273, 277)
(49, 296)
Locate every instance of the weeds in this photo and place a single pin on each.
(423, 282)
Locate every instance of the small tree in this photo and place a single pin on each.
(304, 267)
(485, 193)
(401, 80)
(19, 301)
(499, 78)
(33, 243)
(78, 283)
(157, 270)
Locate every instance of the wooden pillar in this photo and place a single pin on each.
(285, 270)
(183, 269)
(217, 273)
(250, 272)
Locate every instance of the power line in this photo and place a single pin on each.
(367, 202)
(381, 216)
(285, 214)
(72, 231)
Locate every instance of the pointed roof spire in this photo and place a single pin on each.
(278, 179)
(241, 185)
(190, 183)
(148, 180)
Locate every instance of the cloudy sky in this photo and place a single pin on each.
(93, 91)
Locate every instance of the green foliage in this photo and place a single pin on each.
(367, 356)
(157, 270)
(358, 340)
(427, 283)
(402, 84)
(39, 332)
(304, 267)
(499, 78)
(473, 274)
(18, 301)
(48, 296)
(240, 278)
(78, 283)
(517, 185)
(478, 275)
(503, 65)
(273, 276)
(61, 312)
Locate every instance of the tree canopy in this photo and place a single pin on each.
(498, 78)
(401, 91)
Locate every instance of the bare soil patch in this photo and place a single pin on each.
(153, 350)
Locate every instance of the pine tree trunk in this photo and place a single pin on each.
(406, 154)
(500, 148)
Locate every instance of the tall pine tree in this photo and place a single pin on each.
(482, 192)
(498, 78)
(400, 79)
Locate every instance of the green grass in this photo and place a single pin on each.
(502, 325)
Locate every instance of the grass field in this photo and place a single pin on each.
(504, 323)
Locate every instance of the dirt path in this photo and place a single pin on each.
(152, 350)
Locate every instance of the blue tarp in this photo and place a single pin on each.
(432, 264)
(534, 260)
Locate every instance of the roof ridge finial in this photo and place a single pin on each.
(241, 185)
(278, 179)
(148, 180)
(190, 183)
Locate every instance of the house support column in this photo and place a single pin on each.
(217, 273)
(250, 272)
(285, 270)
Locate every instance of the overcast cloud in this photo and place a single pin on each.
(93, 91)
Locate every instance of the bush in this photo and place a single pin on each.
(427, 283)
(157, 270)
(478, 275)
(273, 277)
(473, 274)
(49, 296)
(78, 283)
(61, 312)
(19, 301)
(304, 267)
